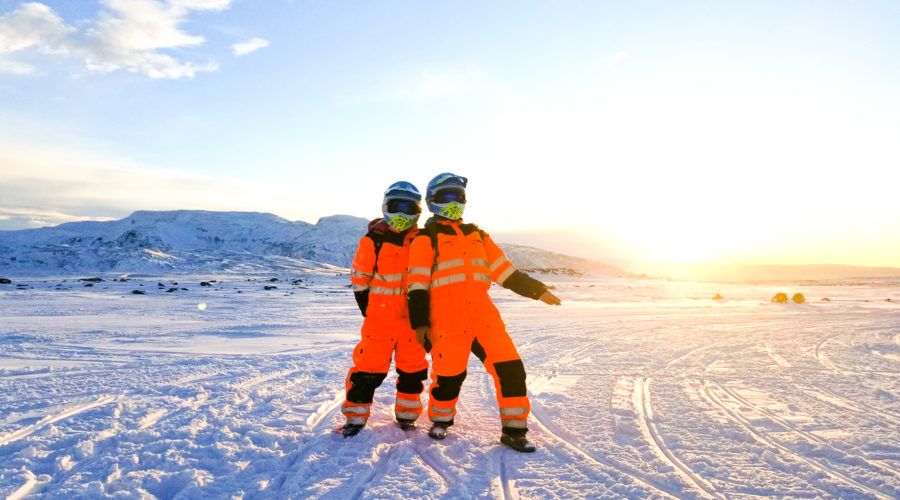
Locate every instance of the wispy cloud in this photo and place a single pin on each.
(40, 187)
(621, 56)
(252, 45)
(131, 35)
(24, 217)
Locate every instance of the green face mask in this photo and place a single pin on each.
(453, 211)
(401, 223)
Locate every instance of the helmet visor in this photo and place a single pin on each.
(401, 206)
(449, 195)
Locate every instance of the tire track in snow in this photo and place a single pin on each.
(759, 436)
(507, 488)
(315, 423)
(551, 430)
(691, 352)
(379, 469)
(800, 432)
(451, 482)
(839, 401)
(776, 358)
(820, 356)
(326, 409)
(261, 379)
(49, 419)
(21, 492)
(641, 399)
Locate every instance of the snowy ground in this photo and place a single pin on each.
(639, 388)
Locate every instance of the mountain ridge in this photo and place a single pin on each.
(185, 241)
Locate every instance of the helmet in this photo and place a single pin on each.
(401, 206)
(446, 195)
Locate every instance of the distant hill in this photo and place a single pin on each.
(190, 241)
(767, 272)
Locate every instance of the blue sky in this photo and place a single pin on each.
(725, 131)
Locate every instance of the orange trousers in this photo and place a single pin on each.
(371, 362)
(493, 346)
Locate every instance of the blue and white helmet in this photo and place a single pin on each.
(446, 195)
(401, 205)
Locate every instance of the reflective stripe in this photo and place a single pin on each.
(359, 274)
(357, 420)
(408, 404)
(435, 409)
(446, 280)
(479, 262)
(506, 274)
(481, 277)
(497, 263)
(389, 277)
(518, 410)
(360, 288)
(424, 271)
(355, 410)
(441, 418)
(448, 264)
(386, 291)
(515, 424)
(416, 286)
(408, 415)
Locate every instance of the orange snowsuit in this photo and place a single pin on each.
(380, 289)
(449, 278)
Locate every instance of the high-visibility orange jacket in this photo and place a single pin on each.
(379, 284)
(451, 267)
(453, 271)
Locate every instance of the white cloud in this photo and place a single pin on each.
(132, 35)
(32, 25)
(249, 46)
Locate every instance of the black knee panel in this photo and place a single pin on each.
(411, 383)
(512, 378)
(363, 385)
(478, 351)
(448, 387)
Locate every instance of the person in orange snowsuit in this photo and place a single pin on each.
(451, 267)
(379, 284)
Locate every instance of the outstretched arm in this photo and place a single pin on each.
(504, 273)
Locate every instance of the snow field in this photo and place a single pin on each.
(639, 389)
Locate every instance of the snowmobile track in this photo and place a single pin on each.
(507, 490)
(800, 432)
(23, 491)
(820, 356)
(549, 428)
(647, 423)
(839, 401)
(691, 352)
(379, 469)
(49, 419)
(759, 436)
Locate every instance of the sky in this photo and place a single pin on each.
(754, 132)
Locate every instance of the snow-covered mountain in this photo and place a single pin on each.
(187, 241)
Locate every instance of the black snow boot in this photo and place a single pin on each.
(350, 430)
(438, 430)
(517, 442)
(405, 424)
